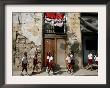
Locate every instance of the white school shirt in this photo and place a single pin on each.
(68, 59)
(24, 60)
(51, 58)
(71, 57)
(90, 56)
(48, 57)
(96, 59)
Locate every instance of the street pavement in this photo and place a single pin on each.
(60, 72)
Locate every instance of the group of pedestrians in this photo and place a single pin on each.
(70, 61)
(25, 62)
(50, 64)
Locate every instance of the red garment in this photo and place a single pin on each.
(69, 65)
(53, 15)
(47, 62)
(51, 65)
(90, 61)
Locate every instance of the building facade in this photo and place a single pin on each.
(57, 32)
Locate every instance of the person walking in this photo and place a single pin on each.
(51, 64)
(90, 61)
(47, 61)
(24, 63)
(69, 64)
(35, 61)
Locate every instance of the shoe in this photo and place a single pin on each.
(91, 69)
(71, 73)
(48, 74)
(21, 74)
(47, 69)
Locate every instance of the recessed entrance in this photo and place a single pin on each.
(58, 48)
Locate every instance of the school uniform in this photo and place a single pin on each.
(72, 59)
(90, 59)
(51, 64)
(96, 60)
(68, 59)
(47, 61)
(24, 63)
(35, 61)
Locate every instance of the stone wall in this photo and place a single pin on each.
(74, 37)
(27, 36)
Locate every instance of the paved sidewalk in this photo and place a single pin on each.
(61, 72)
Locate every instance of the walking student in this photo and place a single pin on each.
(72, 58)
(35, 61)
(24, 63)
(68, 63)
(47, 61)
(90, 61)
(51, 64)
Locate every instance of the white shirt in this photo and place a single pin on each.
(71, 56)
(24, 60)
(90, 56)
(48, 57)
(68, 59)
(51, 58)
(96, 59)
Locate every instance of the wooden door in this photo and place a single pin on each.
(61, 52)
(49, 45)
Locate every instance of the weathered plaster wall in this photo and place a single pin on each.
(27, 36)
(74, 36)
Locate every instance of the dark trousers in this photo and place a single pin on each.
(24, 67)
(35, 65)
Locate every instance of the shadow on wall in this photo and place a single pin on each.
(76, 67)
(76, 51)
(20, 45)
(75, 48)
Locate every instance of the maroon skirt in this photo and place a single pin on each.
(47, 63)
(90, 61)
(69, 65)
(97, 62)
(51, 65)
